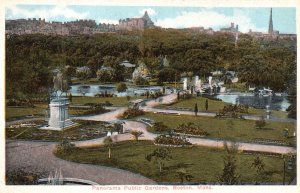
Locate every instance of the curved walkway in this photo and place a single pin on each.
(37, 157)
(134, 125)
(130, 125)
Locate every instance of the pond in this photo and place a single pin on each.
(92, 90)
(257, 101)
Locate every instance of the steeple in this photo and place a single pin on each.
(146, 16)
(270, 24)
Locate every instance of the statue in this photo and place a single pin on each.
(60, 83)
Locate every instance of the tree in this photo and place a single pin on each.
(108, 142)
(106, 75)
(70, 97)
(140, 81)
(258, 164)
(206, 105)
(160, 155)
(168, 75)
(182, 175)
(136, 134)
(121, 87)
(260, 123)
(196, 109)
(229, 175)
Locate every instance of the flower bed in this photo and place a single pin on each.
(191, 129)
(171, 140)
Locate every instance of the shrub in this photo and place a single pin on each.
(171, 140)
(191, 128)
(65, 147)
(260, 123)
(160, 127)
(132, 112)
(105, 94)
(121, 87)
(21, 177)
(140, 81)
(232, 111)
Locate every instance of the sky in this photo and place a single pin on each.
(257, 19)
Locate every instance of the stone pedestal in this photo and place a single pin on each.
(59, 112)
(59, 115)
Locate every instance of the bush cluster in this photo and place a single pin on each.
(131, 113)
(156, 95)
(191, 128)
(160, 127)
(94, 105)
(232, 111)
(65, 147)
(105, 94)
(171, 140)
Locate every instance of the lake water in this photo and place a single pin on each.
(275, 102)
(92, 90)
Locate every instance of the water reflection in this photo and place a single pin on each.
(275, 102)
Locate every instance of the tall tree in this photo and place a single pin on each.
(160, 155)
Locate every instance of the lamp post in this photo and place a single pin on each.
(268, 111)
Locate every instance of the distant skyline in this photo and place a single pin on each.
(257, 19)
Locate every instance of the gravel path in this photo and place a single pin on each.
(38, 157)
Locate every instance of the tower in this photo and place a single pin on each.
(270, 24)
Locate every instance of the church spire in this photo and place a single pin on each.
(270, 24)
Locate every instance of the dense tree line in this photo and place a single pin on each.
(30, 58)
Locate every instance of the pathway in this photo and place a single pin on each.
(133, 125)
(37, 157)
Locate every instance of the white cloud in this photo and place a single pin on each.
(208, 18)
(150, 11)
(48, 14)
(110, 21)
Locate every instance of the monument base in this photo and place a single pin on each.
(68, 124)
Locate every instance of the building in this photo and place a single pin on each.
(130, 24)
(272, 34)
(127, 64)
(230, 29)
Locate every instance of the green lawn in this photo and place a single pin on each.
(40, 109)
(116, 101)
(231, 129)
(203, 163)
(86, 130)
(215, 105)
(12, 113)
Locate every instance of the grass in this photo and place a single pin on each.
(203, 163)
(12, 113)
(230, 129)
(86, 130)
(215, 105)
(116, 101)
(237, 87)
